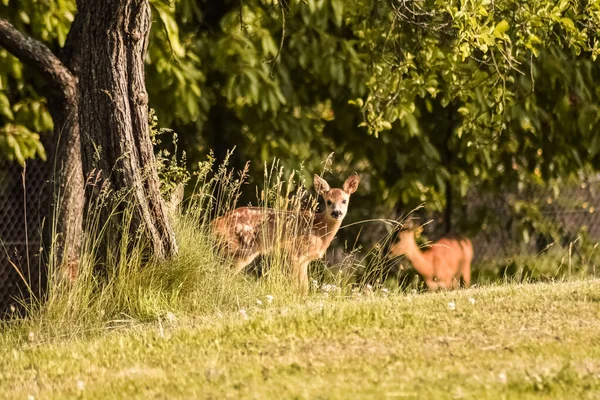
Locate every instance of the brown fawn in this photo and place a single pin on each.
(248, 232)
(443, 264)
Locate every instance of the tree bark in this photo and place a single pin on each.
(113, 111)
(68, 189)
(61, 92)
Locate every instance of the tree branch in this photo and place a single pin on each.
(274, 59)
(35, 54)
(69, 54)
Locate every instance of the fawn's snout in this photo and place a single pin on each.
(337, 204)
(337, 214)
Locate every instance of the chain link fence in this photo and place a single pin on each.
(25, 197)
(529, 221)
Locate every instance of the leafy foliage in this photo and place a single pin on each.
(23, 113)
(171, 170)
(426, 99)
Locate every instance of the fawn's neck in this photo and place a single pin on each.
(420, 260)
(326, 228)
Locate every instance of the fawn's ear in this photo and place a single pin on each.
(408, 224)
(351, 183)
(418, 232)
(321, 185)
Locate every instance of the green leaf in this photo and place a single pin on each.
(24, 17)
(5, 108)
(338, 11)
(501, 28)
(170, 27)
(568, 22)
(563, 5)
(430, 151)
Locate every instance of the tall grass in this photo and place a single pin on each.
(118, 285)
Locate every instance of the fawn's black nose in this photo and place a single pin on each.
(336, 214)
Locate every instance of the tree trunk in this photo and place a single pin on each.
(68, 189)
(61, 92)
(113, 111)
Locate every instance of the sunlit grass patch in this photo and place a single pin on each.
(507, 341)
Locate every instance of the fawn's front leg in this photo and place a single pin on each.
(300, 271)
(241, 261)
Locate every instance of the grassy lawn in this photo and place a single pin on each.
(522, 341)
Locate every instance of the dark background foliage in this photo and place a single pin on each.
(430, 101)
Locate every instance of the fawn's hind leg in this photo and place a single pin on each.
(466, 274)
(432, 284)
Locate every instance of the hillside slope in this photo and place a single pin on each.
(524, 341)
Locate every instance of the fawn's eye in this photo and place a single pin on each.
(328, 202)
(344, 201)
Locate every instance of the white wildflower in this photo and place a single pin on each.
(330, 288)
(452, 306)
(243, 313)
(30, 397)
(325, 294)
(80, 384)
(170, 317)
(269, 299)
(259, 302)
(12, 308)
(314, 283)
(384, 290)
(31, 336)
(471, 300)
(502, 377)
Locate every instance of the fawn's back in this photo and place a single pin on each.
(258, 229)
(451, 258)
(443, 264)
